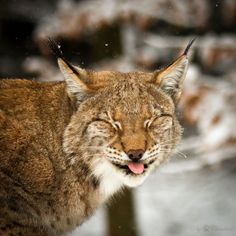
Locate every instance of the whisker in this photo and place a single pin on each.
(179, 153)
(92, 147)
(169, 141)
(183, 154)
(85, 156)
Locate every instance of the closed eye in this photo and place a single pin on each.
(166, 114)
(147, 123)
(117, 125)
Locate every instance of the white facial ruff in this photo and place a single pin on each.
(109, 182)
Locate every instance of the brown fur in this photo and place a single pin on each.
(61, 143)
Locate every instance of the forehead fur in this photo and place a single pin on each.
(101, 78)
(129, 93)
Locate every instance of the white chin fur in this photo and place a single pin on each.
(129, 180)
(112, 179)
(133, 181)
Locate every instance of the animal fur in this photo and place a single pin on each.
(64, 146)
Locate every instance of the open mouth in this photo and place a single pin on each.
(135, 168)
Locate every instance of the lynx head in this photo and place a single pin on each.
(125, 123)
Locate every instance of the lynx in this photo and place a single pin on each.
(67, 147)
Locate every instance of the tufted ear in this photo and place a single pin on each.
(171, 79)
(75, 77)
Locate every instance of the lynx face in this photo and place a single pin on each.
(125, 125)
(134, 136)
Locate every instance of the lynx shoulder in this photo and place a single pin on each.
(66, 147)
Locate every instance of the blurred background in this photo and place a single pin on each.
(194, 193)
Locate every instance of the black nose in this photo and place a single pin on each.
(135, 155)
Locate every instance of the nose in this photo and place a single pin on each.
(135, 154)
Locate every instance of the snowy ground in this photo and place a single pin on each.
(200, 203)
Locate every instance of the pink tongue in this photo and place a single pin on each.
(136, 168)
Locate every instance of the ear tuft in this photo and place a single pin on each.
(171, 79)
(55, 48)
(189, 46)
(75, 77)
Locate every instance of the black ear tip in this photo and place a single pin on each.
(189, 46)
(55, 48)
